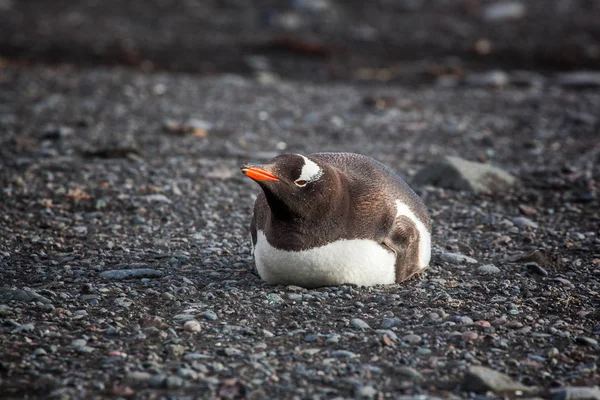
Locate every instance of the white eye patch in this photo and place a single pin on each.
(310, 172)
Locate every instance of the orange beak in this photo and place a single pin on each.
(258, 174)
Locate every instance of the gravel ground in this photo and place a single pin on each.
(125, 265)
(113, 169)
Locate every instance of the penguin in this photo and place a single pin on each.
(329, 219)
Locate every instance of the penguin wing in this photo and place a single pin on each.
(404, 240)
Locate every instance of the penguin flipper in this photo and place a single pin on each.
(403, 240)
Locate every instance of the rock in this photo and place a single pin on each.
(489, 269)
(586, 341)
(409, 373)
(313, 337)
(295, 297)
(456, 258)
(23, 295)
(230, 351)
(488, 79)
(502, 11)
(482, 379)
(359, 323)
(579, 79)
(122, 274)
(123, 302)
(210, 315)
(576, 393)
(138, 378)
(535, 256)
(367, 392)
(459, 174)
(469, 336)
(192, 326)
(343, 354)
(388, 323)
(524, 222)
(274, 298)
(412, 339)
(534, 268)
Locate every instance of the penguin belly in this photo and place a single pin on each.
(360, 262)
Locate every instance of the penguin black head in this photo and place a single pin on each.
(292, 183)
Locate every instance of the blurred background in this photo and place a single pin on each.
(377, 40)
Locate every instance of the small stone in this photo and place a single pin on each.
(524, 222)
(231, 351)
(464, 320)
(514, 325)
(489, 269)
(176, 350)
(138, 378)
(367, 392)
(469, 336)
(495, 79)
(192, 326)
(482, 379)
(503, 11)
(7, 294)
(175, 382)
(312, 337)
(534, 268)
(210, 315)
(459, 174)
(359, 323)
(388, 323)
(576, 393)
(579, 79)
(586, 341)
(343, 354)
(295, 297)
(412, 339)
(455, 258)
(274, 298)
(39, 352)
(409, 373)
(423, 351)
(123, 302)
(122, 274)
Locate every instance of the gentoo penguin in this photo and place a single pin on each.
(335, 218)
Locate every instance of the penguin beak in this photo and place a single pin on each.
(258, 173)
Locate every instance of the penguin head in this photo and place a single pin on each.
(291, 182)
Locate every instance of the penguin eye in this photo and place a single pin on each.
(300, 183)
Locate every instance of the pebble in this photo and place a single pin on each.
(456, 258)
(463, 320)
(534, 268)
(576, 393)
(295, 297)
(123, 274)
(503, 11)
(343, 354)
(586, 341)
(513, 325)
(409, 373)
(359, 323)
(368, 392)
(274, 298)
(423, 351)
(525, 222)
(579, 79)
(469, 336)
(489, 269)
(210, 315)
(480, 379)
(192, 326)
(231, 351)
(8, 294)
(388, 323)
(412, 339)
(138, 378)
(313, 337)
(488, 79)
(459, 174)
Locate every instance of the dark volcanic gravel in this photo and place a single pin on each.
(95, 178)
(125, 264)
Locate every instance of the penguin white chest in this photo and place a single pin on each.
(356, 261)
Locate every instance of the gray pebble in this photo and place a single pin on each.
(586, 341)
(359, 323)
(412, 339)
(489, 269)
(367, 392)
(122, 274)
(389, 323)
(456, 258)
(343, 354)
(524, 222)
(295, 297)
